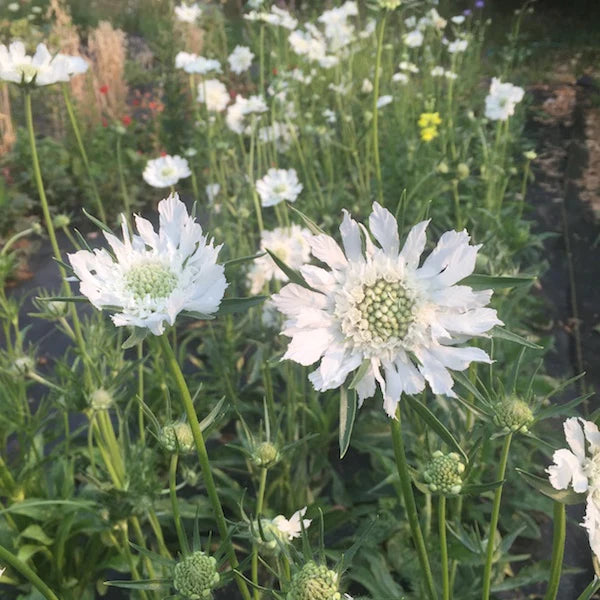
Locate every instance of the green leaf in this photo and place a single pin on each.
(364, 367)
(436, 425)
(561, 409)
(476, 489)
(543, 485)
(504, 334)
(293, 275)
(35, 532)
(590, 590)
(61, 298)
(491, 282)
(348, 405)
(137, 336)
(140, 584)
(242, 259)
(212, 415)
(97, 222)
(234, 305)
(314, 228)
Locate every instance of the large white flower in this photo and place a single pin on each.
(380, 308)
(236, 112)
(188, 13)
(291, 528)
(413, 39)
(290, 244)
(501, 101)
(152, 277)
(40, 69)
(214, 94)
(240, 59)
(192, 63)
(166, 171)
(278, 185)
(581, 469)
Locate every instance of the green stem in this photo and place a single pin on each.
(209, 482)
(443, 548)
(410, 506)
(375, 111)
(259, 507)
(141, 426)
(9, 558)
(558, 550)
(487, 573)
(122, 184)
(82, 151)
(183, 544)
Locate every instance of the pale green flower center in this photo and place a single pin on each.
(280, 188)
(443, 473)
(513, 414)
(28, 71)
(196, 576)
(314, 582)
(387, 309)
(150, 278)
(167, 171)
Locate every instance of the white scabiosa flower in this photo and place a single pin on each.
(240, 59)
(457, 46)
(381, 308)
(400, 77)
(438, 71)
(214, 94)
(384, 101)
(366, 87)
(278, 133)
(413, 39)
(192, 63)
(152, 277)
(188, 13)
(237, 112)
(290, 244)
(40, 69)
(75, 64)
(579, 467)
(166, 171)
(291, 528)
(278, 185)
(501, 101)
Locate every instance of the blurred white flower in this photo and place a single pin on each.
(166, 171)
(384, 101)
(501, 101)
(458, 19)
(437, 71)
(152, 277)
(278, 185)
(290, 244)
(413, 39)
(40, 69)
(76, 65)
(292, 528)
(277, 17)
(410, 22)
(457, 46)
(192, 63)
(212, 191)
(450, 75)
(580, 468)
(330, 116)
(280, 134)
(305, 44)
(400, 77)
(236, 112)
(366, 87)
(213, 94)
(408, 66)
(377, 306)
(13, 6)
(240, 59)
(188, 13)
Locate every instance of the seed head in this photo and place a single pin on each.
(196, 576)
(443, 473)
(513, 414)
(314, 582)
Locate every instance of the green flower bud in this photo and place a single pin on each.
(100, 399)
(462, 170)
(314, 582)
(443, 473)
(530, 154)
(265, 455)
(23, 365)
(195, 576)
(61, 221)
(442, 168)
(177, 437)
(389, 4)
(268, 537)
(513, 414)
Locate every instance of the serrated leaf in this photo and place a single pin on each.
(137, 336)
(492, 282)
(436, 425)
(348, 406)
(293, 275)
(504, 334)
(234, 305)
(541, 484)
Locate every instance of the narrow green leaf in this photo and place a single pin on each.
(97, 222)
(436, 425)
(543, 485)
(234, 305)
(364, 367)
(476, 489)
(212, 415)
(314, 228)
(138, 335)
(590, 590)
(242, 259)
(61, 298)
(491, 282)
(561, 409)
(140, 584)
(348, 405)
(293, 275)
(504, 334)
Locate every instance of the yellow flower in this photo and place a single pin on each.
(429, 120)
(428, 133)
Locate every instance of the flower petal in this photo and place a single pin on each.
(350, 232)
(414, 244)
(385, 229)
(567, 468)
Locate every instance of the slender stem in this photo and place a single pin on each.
(10, 559)
(443, 547)
(141, 426)
(558, 550)
(122, 184)
(175, 505)
(410, 506)
(375, 111)
(209, 482)
(259, 507)
(487, 573)
(82, 151)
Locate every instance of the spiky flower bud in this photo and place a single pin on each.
(513, 414)
(100, 399)
(177, 437)
(195, 576)
(23, 365)
(314, 582)
(443, 473)
(265, 455)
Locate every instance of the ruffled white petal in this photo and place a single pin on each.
(351, 238)
(575, 437)
(326, 249)
(566, 469)
(414, 245)
(385, 229)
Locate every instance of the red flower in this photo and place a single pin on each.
(163, 153)
(152, 105)
(104, 89)
(275, 71)
(104, 122)
(135, 102)
(126, 120)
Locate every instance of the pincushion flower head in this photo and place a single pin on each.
(153, 276)
(278, 185)
(580, 468)
(501, 101)
(166, 171)
(378, 308)
(240, 59)
(40, 69)
(214, 94)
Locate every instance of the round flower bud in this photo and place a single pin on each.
(57, 308)
(177, 437)
(61, 221)
(389, 4)
(513, 414)
(530, 154)
(462, 170)
(37, 228)
(23, 365)
(442, 168)
(265, 455)
(314, 582)
(100, 399)
(195, 576)
(268, 537)
(443, 473)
